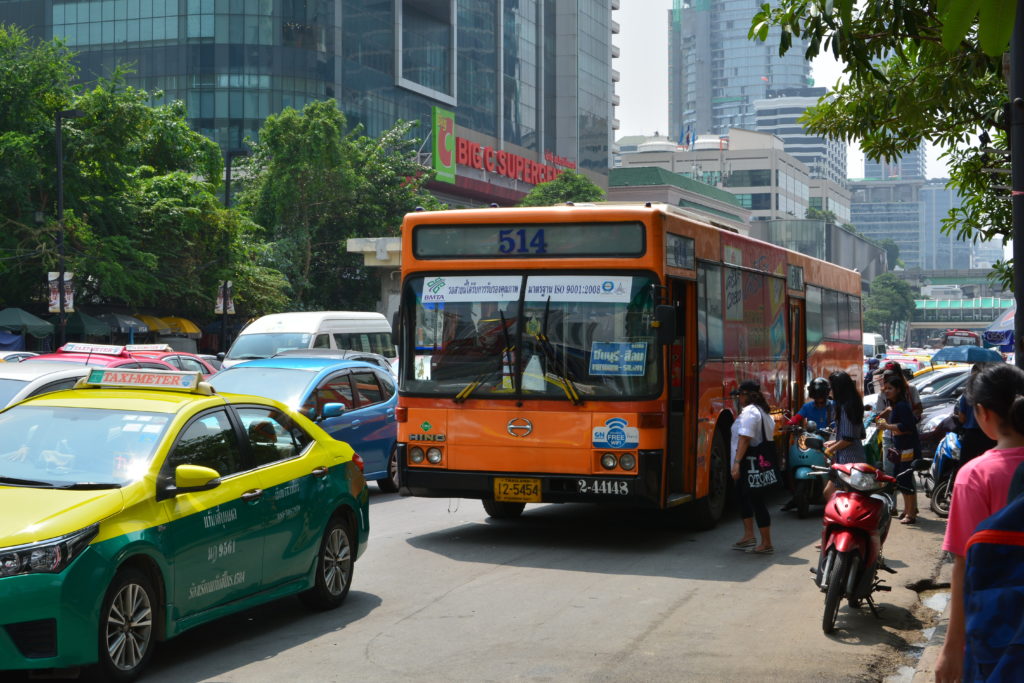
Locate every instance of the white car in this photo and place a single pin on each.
(18, 381)
(16, 356)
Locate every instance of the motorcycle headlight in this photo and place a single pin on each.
(51, 556)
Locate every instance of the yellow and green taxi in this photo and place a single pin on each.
(140, 504)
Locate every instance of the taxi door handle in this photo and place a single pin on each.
(355, 423)
(252, 495)
(319, 471)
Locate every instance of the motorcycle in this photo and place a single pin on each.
(855, 526)
(806, 450)
(943, 473)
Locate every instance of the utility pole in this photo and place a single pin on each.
(62, 317)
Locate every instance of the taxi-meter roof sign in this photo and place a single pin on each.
(105, 349)
(148, 347)
(144, 379)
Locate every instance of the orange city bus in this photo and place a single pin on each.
(587, 353)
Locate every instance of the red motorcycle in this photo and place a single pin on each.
(856, 524)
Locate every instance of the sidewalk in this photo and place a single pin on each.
(925, 672)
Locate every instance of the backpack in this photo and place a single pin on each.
(994, 597)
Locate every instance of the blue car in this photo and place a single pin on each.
(352, 401)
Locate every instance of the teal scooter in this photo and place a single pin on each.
(806, 451)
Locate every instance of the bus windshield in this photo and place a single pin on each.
(571, 336)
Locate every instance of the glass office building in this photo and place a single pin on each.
(716, 72)
(530, 77)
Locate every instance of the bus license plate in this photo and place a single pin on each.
(514, 490)
(605, 487)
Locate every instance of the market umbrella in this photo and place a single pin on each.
(183, 326)
(80, 324)
(1000, 332)
(966, 354)
(154, 323)
(22, 322)
(125, 324)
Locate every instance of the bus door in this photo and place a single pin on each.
(682, 385)
(797, 354)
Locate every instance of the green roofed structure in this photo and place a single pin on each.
(654, 184)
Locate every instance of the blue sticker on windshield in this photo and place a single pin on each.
(618, 358)
(616, 433)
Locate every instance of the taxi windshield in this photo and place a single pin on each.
(61, 446)
(9, 389)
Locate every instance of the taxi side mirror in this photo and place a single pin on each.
(188, 479)
(332, 410)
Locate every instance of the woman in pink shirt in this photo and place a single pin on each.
(981, 488)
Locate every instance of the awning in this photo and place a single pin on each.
(182, 326)
(79, 323)
(22, 322)
(154, 323)
(1000, 332)
(119, 322)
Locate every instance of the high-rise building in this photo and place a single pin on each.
(824, 157)
(939, 250)
(528, 82)
(890, 209)
(911, 166)
(716, 72)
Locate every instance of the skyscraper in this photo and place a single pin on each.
(716, 73)
(910, 166)
(530, 78)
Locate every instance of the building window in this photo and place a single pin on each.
(425, 54)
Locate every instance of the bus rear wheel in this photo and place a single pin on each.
(706, 512)
(500, 510)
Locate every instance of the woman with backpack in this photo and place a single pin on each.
(981, 489)
(752, 428)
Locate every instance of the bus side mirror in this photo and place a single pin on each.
(664, 324)
(396, 335)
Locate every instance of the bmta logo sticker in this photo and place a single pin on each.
(616, 433)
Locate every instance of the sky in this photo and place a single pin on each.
(643, 76)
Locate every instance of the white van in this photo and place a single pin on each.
(272, 334)
(873, 345)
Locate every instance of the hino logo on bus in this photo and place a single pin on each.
(426, 437)
(520, 426)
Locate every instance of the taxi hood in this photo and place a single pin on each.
(28, 515)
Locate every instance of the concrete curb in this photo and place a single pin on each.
(925, 670)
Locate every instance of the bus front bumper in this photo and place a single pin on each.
(642, 489)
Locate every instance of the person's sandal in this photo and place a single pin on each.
(908, 520)
(743, 545)
(762, 551)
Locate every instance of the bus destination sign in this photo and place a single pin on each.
(529, 240)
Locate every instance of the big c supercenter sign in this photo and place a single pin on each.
(451, 151)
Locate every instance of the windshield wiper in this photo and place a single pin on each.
(89, 486)
(549, 353)
(484, 377)
(24, 482)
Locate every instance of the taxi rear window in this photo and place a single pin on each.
(68, 445)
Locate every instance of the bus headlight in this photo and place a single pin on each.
(434, 455)
(627, 461)
(416, 454)
(609, 461)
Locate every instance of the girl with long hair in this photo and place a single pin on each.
(753, 425)
(902, 423)
(848, 445)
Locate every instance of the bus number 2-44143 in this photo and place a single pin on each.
(522, 241)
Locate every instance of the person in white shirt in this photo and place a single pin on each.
(754, 425)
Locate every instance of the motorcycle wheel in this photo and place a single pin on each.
(941, 497)
(836, 588)
(801, 497)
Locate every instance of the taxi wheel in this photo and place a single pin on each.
(333, 568)
(389, 484)
(126, 633)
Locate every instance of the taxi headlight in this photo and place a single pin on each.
(47, 557)
(416, 454)
(434, 455)
(608, 461)
(627, 461)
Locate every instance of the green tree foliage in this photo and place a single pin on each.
(890, 303)
(569, 186)
(312, 183)
(913, 77)
(143, 226)
(892, 252)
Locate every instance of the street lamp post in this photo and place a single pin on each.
(228, 158)
(60, 116)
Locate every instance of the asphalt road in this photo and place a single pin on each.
(567, 593)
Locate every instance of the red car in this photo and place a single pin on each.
(102, 355)
(180, 360)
